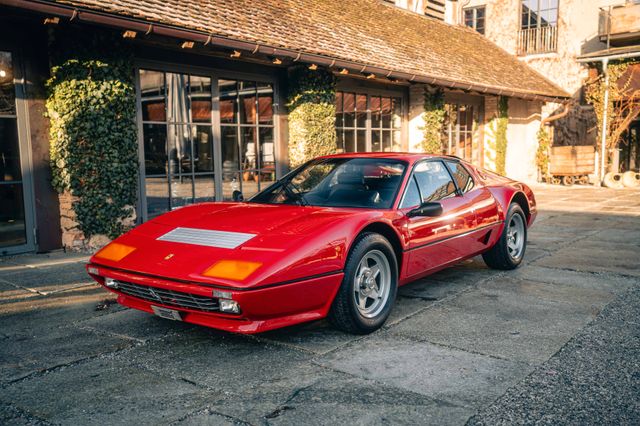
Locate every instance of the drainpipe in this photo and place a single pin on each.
(603, 139)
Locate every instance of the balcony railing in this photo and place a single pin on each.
(538, 40)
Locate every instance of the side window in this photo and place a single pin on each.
(412, 196)
(461, 175)
(434, 181)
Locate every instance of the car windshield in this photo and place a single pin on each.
(338, 182)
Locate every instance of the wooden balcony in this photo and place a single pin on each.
(619, 25)
(538, 40)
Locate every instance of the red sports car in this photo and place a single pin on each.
(334, 238)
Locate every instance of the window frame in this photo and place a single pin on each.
(466, 169)
(346, 86)
(216, 74)
(537, 12)
(474, 18)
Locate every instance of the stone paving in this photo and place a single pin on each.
(460, 346)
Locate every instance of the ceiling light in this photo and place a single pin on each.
(344, 71)
(276, 61)
(236, 54)
(3, 73)
(313, 67)
(52, 21)
(370, 76)
(188, 45)
(129, 34)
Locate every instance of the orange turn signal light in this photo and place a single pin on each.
(231, 269)
(115, 251)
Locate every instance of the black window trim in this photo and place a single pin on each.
(457, 161)
(412, 176)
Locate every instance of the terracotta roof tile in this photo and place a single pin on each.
(367, 32)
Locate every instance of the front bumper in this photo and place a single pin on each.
(262, 309)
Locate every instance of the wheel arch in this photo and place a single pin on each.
(521, 199)
(390, 234)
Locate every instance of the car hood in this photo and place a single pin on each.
(290, 242)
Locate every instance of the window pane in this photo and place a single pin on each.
(397, 143)
(181, 190)
(267, 177)
(203, 148)
(200, 88)
(386, 141)
(412, 196)
(375, 141)
(386, 112)
(339, 141)
(375, 111)
(349, 141)
(362, 140)
(265, 103)
(397, 113)
(179, 144)
(461, 175)
(155, 149)
(230, 183)
(361, 110)
(228, 104)
(247, 102)
(230, 154)
(157, 190)
(266, 150)
(9, 150)
(434, 181)
(204, 188)
(177, 99)
(12, 227)
(349, 107)
(248, 148)
(152, 96)
(7, 88)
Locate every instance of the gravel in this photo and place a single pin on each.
(594, 379)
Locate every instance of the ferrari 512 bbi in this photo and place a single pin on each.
(334, 238)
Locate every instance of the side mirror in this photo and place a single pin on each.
(237, 196)
(432, 209)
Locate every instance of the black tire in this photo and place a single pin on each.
(344, 313)
(499, 256)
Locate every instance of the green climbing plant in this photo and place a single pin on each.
(542, 154)
(312, 114)
(93, 138)
(502, 122)
(433, 116)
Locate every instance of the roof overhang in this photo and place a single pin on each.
(76, 14)
(615, 53)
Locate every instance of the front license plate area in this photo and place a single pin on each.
(167, 313)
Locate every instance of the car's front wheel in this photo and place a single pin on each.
(369, 286)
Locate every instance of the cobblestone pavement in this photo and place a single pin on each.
(556, 341)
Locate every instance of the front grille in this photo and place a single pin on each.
(177, 299)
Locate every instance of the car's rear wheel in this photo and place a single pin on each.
(508, 252)
(369, 286)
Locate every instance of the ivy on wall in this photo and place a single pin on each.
(312, 114)
(93, 138)
(502, 122)
(433, 116)
(542, 154)
(622, 106)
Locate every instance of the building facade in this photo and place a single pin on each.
(212, 89)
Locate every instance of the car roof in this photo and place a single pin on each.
(411, 157)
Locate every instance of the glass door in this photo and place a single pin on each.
(184, 159)
(14, 217)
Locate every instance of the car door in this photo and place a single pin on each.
(436, 241)
(482, 202)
